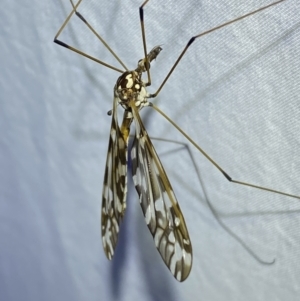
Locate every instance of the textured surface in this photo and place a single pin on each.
(236, 92)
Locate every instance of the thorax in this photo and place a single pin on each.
(131, 87)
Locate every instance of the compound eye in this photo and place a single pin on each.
(147, 66)
(142, 64)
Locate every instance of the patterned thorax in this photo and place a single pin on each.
(130, 86)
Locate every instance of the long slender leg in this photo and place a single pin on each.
(192, 40)
(225, 174)
(80, 16)
(75, 49)
(144, 41)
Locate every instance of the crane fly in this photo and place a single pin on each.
(162, 213)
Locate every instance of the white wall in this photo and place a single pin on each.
(236, 92)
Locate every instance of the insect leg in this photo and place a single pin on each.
(192, 40)
(141, 11)
(61, 43)
(80, 16)
(225, 174)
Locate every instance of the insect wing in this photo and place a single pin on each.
(161, 210)
(114, 186)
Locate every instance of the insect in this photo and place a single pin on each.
(159, 204)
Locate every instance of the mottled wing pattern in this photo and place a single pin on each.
(114, 186)
(162, 212)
